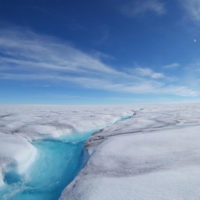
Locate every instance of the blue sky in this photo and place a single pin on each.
(99, 52)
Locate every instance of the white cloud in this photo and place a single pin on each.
(149, 73)
(138, 7)
(181, 91)
(31, 50)
(192, 7)
(172, 66)
(28, 56)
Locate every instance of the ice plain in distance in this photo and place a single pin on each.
(155, 155)
(20, 125)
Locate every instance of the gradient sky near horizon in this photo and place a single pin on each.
(99, 51)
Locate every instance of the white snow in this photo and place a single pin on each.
(34, 122)
(181, 184)
(1, 179)
(20, 125)
(15, 152)
(154, 155)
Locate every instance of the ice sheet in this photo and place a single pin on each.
(16, 155)
(20, 125)
(154, 155)
(34, 122)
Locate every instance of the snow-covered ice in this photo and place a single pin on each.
(154, 155)
(16, 155)
(20, 125)
(36, 122)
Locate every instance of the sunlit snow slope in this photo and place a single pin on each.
(155, 155)
(41, 147)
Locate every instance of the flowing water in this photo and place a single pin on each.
(57, 163)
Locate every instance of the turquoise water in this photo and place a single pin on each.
(125, 118)
(58, 162)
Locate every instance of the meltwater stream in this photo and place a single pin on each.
(57, 163)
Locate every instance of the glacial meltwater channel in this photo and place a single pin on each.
(58, 162)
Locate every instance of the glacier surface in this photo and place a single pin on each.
(139, 152)
(22, 126)
(153, 155)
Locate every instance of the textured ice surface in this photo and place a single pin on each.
(21, 125)
(35, 122)
(152, 156)
(155, 154)
(56, 165)
(16, 155)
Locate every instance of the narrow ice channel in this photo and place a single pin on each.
(58, 162)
